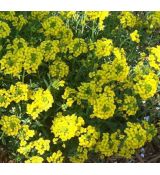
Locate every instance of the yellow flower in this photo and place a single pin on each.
(58, 69)
(33, 58)
(135, 36)
(49, 49)
(103, 106)
(80, 156)
(5, 99)
(10, 125)
(35, 159)
(147, 86)
(136, 137)
(128, 19)
(100, 15)
(129, 105)
(41, 145)
(103, 47)
(4, 30)
(77, 47)
(120, 67)
(89, 137)
(25, 133)
(108, 145)
(42, 101)
(56, 157)
(19, 92)
(66, 127)
(52, 26)
(154, 57)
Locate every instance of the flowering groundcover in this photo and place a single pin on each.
(77, 85)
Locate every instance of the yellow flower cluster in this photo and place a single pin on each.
(33, 58)
(153, 20)
(81, 155)
(135, 36)
(103, 47)
(10, 125)
(39, 15)
(49, 49)
(66, 127)
(108, 145)
(16, 93)
(4, 98)
(34, 159)
(68, 14)
(128, 19)
(18, 21)
(69, 95)
(77, 47)
(19, 92)
(116, 70)
(98, 68)
(4, 29)
(53, 26)
(136, 137)
(147, 86)
(129, 105)
(42, 101)
(100, 15)
(19, 57)
(154, 57)
(89, 137)
(88, 91)
(40, 146)
(119, 65)
(103, 106)
(25, 134)
(58, 69)
(56, 157)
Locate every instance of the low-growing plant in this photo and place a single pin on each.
(76, 84)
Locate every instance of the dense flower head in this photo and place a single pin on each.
(153, 20)
(103, 106)
(89, 137)
(81, 155)
(77, 47)
(135, 137)
(4, 29)
(10, 125)
(128, 19)
(135, 36)
(19, 92)
(129, 105)
(100, 15)
(52, 26)
(66, 127)
(49, 49)
(58, 69)
(103, 47)
(25, 133)
(33, 59)
(119, 65)
(34, 159)
(108, 145)
(5, 99)
(147, 86)
(154, 57)
(42, 101)
(41, 145)
(56, 157)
